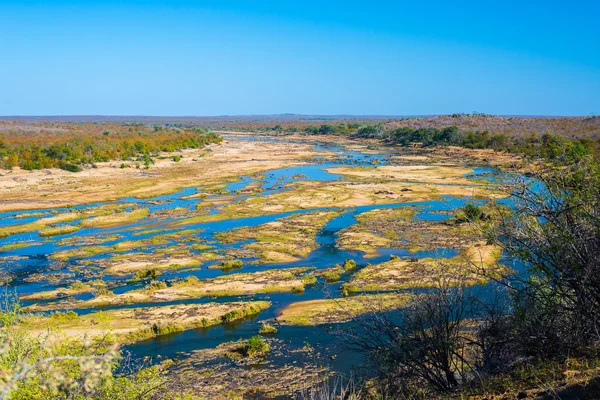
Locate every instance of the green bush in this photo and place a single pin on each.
(231, 264)
(332, 274)
(349, 264)
(146, 274)
(267, 329)
(256, 347)
(104, 292)
(156, 285)
(472, 212)
(64, 316)
(70, 167)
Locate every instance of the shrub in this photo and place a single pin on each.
(555, 233)
(298, 289)
(349, 264)
(267, 329)
(78, 285)
(256, 347)
(191, 279)
(166, 328)
(231, 264)
(232, 316)
(146, 274)
(472, 212)
(155, 285)
(70, 167)
(104, 292)
(332, 275)
(64, 316)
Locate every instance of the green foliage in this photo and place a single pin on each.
(166, 328)
(267, 329)
(231, 264)
(78, 285)
(10, 309)
(367, 131)
(298, 289)
(332, 275)
(311, 130)
(349, 264)
(156, 285)
(71, 145)
(68, 167)
(46, 368)
(256, 347)
(151, 274)
(327, 129)
(104, 292)
(472, 212)
(232, 316)
(64, 316)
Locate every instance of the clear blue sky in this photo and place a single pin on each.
(306, 57)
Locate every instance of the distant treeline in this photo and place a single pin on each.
(68, 146)
(548, 145)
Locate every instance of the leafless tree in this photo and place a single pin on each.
(555, 232)
(429, 344)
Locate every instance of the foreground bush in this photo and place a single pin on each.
(47, 367)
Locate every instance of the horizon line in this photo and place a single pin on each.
(289, 115)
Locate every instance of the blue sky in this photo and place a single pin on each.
(306, 57)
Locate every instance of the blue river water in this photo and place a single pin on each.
(21, 263)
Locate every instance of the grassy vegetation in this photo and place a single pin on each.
(116, 219)
(132, 263)
(293, 237)
(473, 266)
(40, 224)
(264, 282)
(331, 274)
(230, 264)
(75, 288)
(399, 228)
(287, 239)
(81, 252)
(15, 246)
(349, 264)
(58, 230)
(133, 325)
(317, 312)
(267, 329)
(101, 216)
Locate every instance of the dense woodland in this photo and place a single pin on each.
(69, 146)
